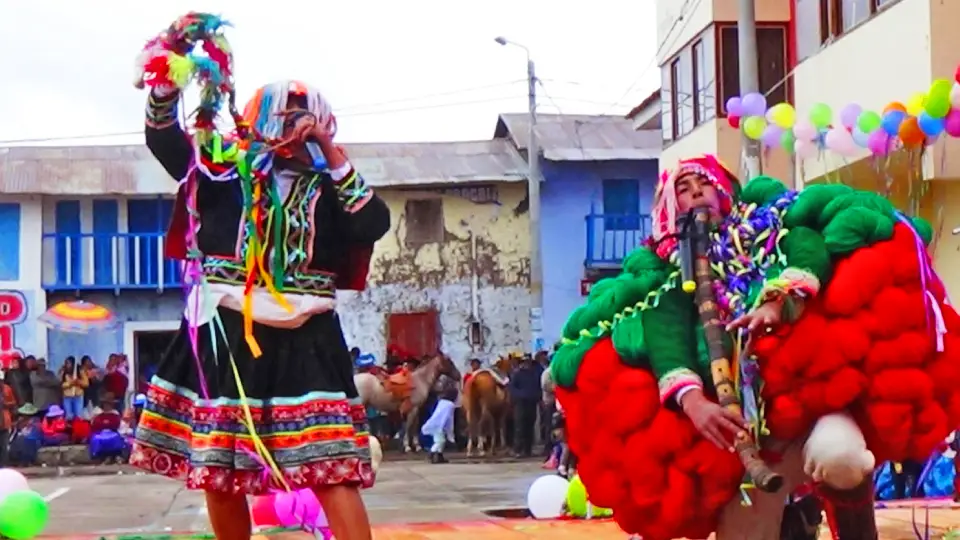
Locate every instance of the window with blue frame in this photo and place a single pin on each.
(10, 240)
(621, 204)
(147, 221)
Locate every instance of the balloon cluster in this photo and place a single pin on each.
(23, 512)
(921, 121)
(552, 496)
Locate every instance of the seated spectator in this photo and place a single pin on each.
(27, 438)
(54, 427)
(115, 381)
(107, 445)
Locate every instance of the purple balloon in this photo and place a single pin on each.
(754, 104)
(879, 143)
(849, 115)
(951, 123)
(771, 135)
(734, 107)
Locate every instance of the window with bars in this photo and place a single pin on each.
(820, 21)
(699, 79)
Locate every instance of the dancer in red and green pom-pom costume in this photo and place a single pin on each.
(854, 358)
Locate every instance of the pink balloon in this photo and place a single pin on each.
(841, 141)
(299, 509)
(879, 143)
(849, 115)
(804, 130)
(952, 123)
(805, 149)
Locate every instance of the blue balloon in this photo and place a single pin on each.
(891, 122)
(929, 125)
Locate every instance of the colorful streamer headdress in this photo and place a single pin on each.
(665, 206)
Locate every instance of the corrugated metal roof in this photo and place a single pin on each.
(573, 137)
(131, 169)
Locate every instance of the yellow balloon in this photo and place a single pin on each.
(915, 104)
(753, 127)
(783, 115)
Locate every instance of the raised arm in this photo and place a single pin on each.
(165, 136)
(365, 215)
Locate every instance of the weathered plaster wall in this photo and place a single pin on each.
(439, 275)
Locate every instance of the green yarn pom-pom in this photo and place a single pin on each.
(856, 227)
(566, 361)
(924, 229)
(629, 342)
(762, 190)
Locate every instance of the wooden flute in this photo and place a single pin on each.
(696, 261)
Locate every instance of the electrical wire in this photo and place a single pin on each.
(348, 108)
(682, 17)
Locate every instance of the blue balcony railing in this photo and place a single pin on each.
(610, 237)
(91, 261)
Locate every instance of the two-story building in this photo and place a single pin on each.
(839, 46)
(699, 64)
(89, 223)
(599, 175)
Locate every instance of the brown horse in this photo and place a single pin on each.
(487, 406)
(405, 392)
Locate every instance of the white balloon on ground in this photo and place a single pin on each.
(11, 481)
(546, 497)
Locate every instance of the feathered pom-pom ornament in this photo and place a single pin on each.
(192, 49)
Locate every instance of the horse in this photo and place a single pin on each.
(487, 406)
(405, 392)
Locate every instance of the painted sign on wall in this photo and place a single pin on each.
(17, 336)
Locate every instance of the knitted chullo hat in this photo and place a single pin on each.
(665, 207)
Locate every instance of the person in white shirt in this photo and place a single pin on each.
(440, 424)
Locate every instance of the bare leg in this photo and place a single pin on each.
(762, 520)
(229, 516)
(345, 511)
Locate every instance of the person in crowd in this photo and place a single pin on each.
(94, 380)
(115, 381)
(6, 419)
(54, 427)
(548, 406)
(355, 354)
(905, 479)
(18, 378)
(475, 366)
(440, 424)
(27, 438)
(46, 386)
(73, 381)
(106, 443)
(525, 395)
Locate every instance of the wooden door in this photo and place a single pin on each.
(414, 333)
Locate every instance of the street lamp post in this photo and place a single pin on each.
(533, 191)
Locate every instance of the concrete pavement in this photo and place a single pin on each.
(406, 492)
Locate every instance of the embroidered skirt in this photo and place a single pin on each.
(301, 395)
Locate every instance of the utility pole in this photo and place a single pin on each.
(749, 80)
(533, 194)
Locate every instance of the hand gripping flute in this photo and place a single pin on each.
(698, 276)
